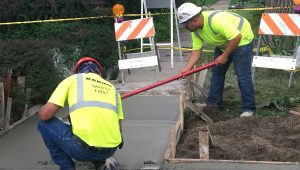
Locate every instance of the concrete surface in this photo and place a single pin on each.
(147, 128)
(23, 148)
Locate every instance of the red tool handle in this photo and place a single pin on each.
(159, 83)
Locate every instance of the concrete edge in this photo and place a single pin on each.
(31, 111)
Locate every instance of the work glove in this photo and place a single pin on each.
(111, 163)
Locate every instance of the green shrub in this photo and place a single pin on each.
(31, 59)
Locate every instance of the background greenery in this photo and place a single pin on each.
(45, 53)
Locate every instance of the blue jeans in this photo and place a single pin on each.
(241, 58)
(63, 145)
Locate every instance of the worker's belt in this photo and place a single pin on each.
(85, 146)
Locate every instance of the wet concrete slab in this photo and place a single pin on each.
(144, 141)
(151, 108)
(23, 148)
(147, 129)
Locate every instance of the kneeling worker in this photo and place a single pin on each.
(95, 111)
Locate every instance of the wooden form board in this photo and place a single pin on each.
(171, 162)
(196, 164)
(176, 130)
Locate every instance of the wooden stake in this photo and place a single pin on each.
(7, 113)
(25, 111)
(181, 111)
(203, 145)
(2, 105)
(21, 83)
(294, 112)
(8, 84)
(198, 111)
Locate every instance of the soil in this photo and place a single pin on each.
(273, 138)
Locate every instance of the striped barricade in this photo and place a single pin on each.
(136, 29)
(280, 24)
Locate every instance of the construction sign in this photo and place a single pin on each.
(280, 24)
(134, 29)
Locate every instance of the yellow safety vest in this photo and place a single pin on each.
(94, 107)
(220, 27)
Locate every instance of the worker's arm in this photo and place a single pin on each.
(194, 57)
(232, 44)
(48, 110)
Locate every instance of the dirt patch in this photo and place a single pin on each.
(273, 138)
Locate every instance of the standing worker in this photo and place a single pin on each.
(95, 113)
(232, 36)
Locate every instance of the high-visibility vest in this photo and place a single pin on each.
(93, 108)
(209, 30)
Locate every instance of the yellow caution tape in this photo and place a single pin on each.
(54, 20)
(259, 9)
(129, 15)
(262, 49)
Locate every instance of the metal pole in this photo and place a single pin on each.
(178, 36)
(257, 53)
(172, 37)
(165, 81)
(120, 58)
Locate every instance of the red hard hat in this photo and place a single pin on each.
(85, 59)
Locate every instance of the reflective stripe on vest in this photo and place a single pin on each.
(81, 104)
(210, 24)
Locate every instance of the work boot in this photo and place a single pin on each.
(247, 114)
(201, 105)
(99, 165)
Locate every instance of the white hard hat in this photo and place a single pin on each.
(185, 12)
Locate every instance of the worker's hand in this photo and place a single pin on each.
(222, 59)
(111, 163)
(185, 69)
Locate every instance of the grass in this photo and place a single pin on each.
(203, 2)
(247, 3)
(270, 86)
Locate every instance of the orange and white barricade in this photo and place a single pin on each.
(280, 24)
(136, 29)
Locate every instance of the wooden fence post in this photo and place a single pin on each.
(8, 84)
(2, 105)
(8, 111)
(21, 83)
